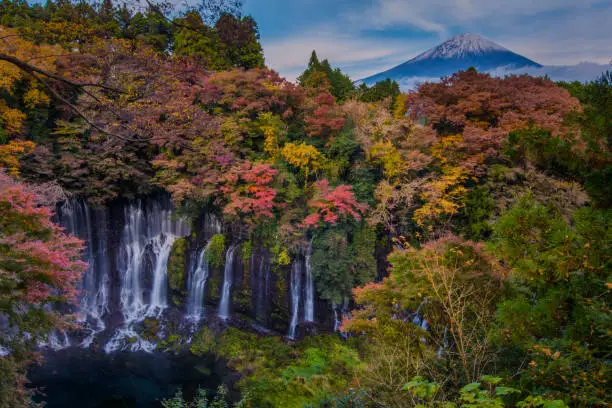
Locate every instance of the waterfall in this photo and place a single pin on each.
(127, 248)
(340, 313)
(196, 285)
(337, 320)
(310, 290)
(161, 246)
(148, 235)
(296, 288)
(212, 226)
(95, 301)
(130, 263)
(263, 285)
(224, 304)
(58, 342)
(77, 218)
(444, 345)
(418, 319)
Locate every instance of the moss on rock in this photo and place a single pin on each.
(177, 266)
(215, 254)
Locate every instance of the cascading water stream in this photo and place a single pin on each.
(58, 340)
(196, 285)
(148, 234)
(262, 280)
(161, 245)
(224, 304)
(95, 301)
(296, 289)
(309, 315)
(418, 319)
(77, 218)
(134, 249)
(130, 263)
(340, 313)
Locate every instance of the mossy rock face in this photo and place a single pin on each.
(150, 329)
(243, 295)
(213, 286)
(215, 254)
(177, 267)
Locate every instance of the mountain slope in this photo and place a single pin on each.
(460, 52)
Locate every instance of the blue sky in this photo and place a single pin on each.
(367, 36)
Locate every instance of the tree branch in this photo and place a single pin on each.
(31, 69)
(80, 113)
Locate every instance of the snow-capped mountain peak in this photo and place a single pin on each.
(461, 46)
(471, 50)
(459, 53)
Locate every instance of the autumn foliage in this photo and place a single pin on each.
(392, 194)
(325, 120)
(329, 206)
(39, 260)
(248, 192)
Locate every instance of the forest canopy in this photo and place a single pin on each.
(467, 222)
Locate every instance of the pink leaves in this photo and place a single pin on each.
(250, 195)
(330, 205)
(35, 254)
(261, 174)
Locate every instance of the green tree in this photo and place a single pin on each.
(340, 85)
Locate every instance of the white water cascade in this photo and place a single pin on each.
(78, 220)
(196, 285)
(309, 314)
(340, 312)
(224, 304)
(147, 239)
(296, 289)
(262, 280)
(57, 340)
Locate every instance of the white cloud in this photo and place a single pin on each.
(290, 55)
(547, 31)
(437, 15)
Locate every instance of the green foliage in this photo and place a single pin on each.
(232, 42)
(279, 374)
(177, 266)
(538, 146)
(532, 307)
(215, 254)
(380, 91)
(595, 123)
(240, 37)
(351, 399)
(246, 250)
(421, 388)
(201, 400)
(341, 262)
(484, 394)
(560, 300)
(341, 86)
(199, 40)
(477, 210)
(534, 241)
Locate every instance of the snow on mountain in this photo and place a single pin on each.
(461, 46)
(471, 50)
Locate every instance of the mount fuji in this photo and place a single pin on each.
(471, 50)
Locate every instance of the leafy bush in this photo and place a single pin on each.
(215, 254)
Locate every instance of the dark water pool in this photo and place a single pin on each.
(87, 379)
